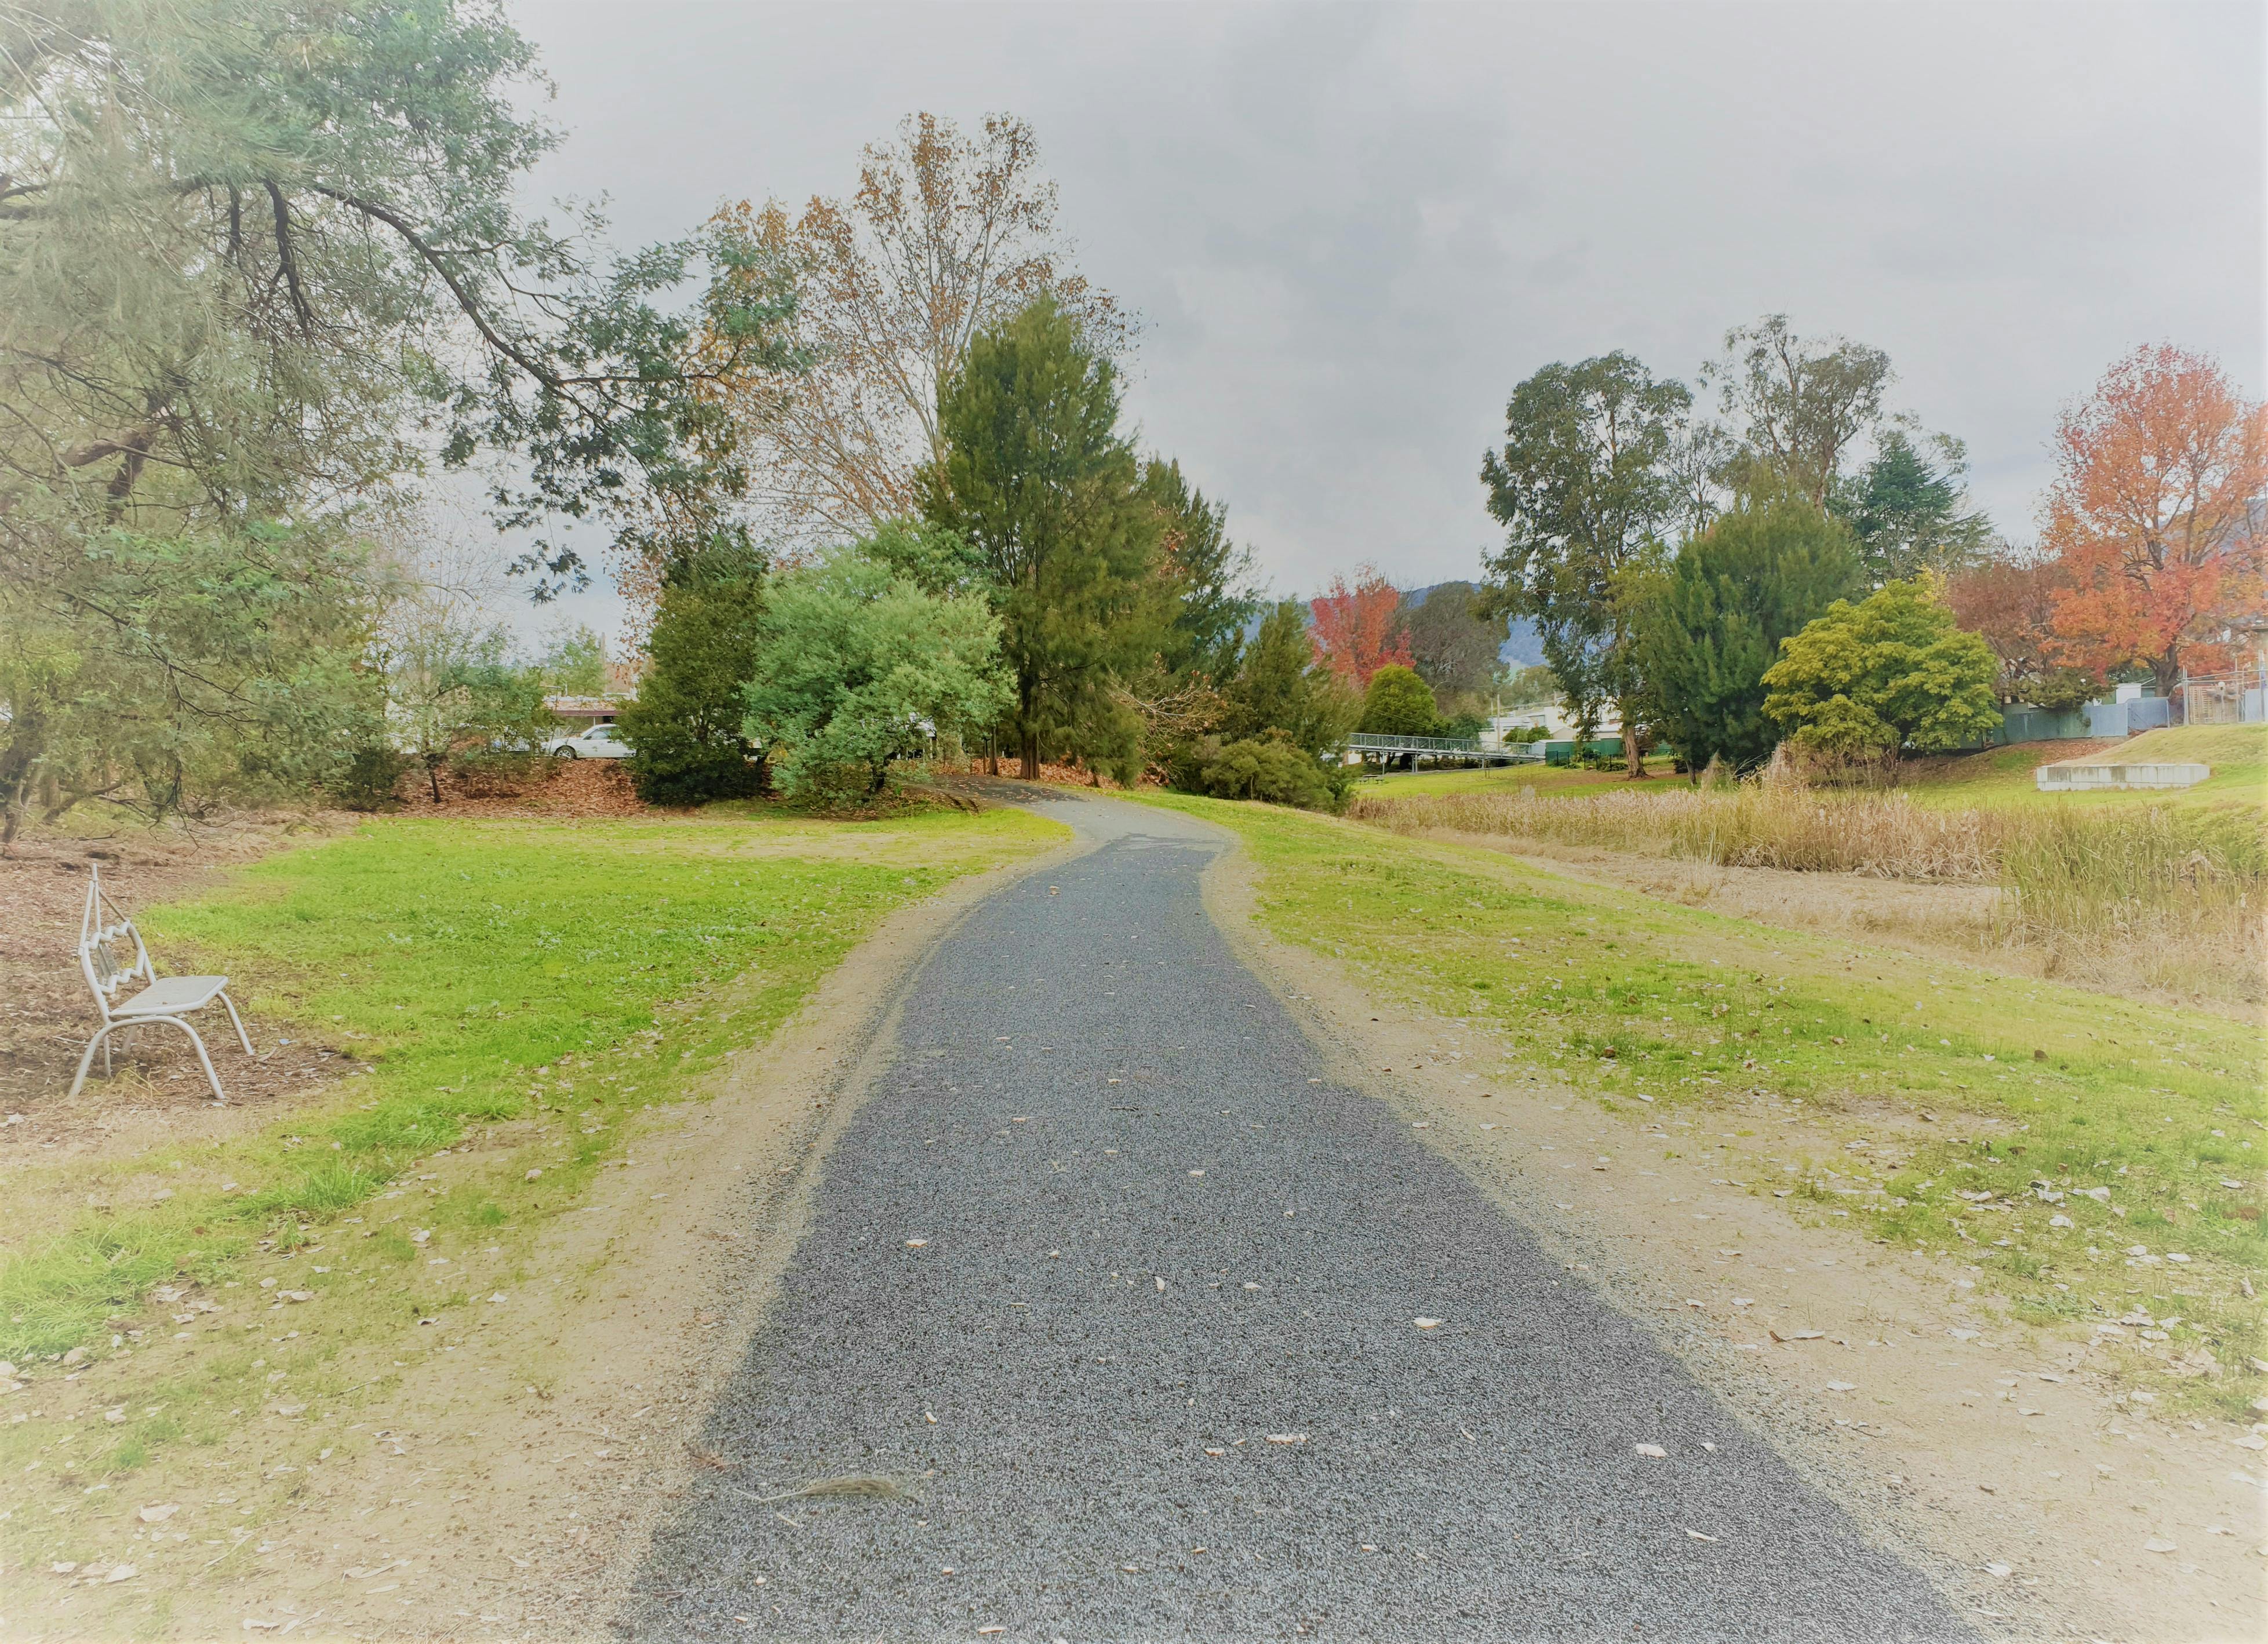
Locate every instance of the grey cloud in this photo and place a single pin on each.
(1352, 228)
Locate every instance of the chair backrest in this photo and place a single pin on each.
(110, 950)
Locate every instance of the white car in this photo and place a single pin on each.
(600, 741)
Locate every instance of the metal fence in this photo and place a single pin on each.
(2202, 699)
(2221, 699)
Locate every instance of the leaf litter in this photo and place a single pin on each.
(848, 1487)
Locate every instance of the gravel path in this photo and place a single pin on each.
(1125, 1302)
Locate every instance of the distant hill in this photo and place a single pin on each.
(1521, 648)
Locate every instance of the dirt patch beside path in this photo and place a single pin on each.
(2044, 1500)
(509, 1489)
(47, 1014)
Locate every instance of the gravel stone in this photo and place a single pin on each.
(1094, 1431)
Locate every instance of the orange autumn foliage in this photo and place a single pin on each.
(2157, 518)
(1354, 626)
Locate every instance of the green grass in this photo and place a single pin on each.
(450, 960)
(1993, 778)
(1547, 781)
(521, 994)
(1958, 1081)
(2003, 777)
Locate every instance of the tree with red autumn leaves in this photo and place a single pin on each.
(2157, 518)
(2009, 601)
(1355, 630)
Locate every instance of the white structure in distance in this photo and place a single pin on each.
(1556, 722)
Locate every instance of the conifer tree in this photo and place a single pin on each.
(1038, 480)
(1714, 622)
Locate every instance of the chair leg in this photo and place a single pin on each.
(211, 1077)
(236, 1021)
(101, 1040)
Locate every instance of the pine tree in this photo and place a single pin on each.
(1037, 479)
(1713, 624)
(1909, 514)
(1207, 576)
(1283, 689)
(684, 729)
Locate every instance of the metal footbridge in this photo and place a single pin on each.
(1407, 752)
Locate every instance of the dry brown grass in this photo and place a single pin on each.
(2166, 898)
(1970, 923)
(1754, 826)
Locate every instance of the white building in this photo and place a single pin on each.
(1556, 725)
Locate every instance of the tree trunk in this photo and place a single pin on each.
(1633, 751)
(1027, 704)
(16, 768)
(433, 778)
(2166, 670)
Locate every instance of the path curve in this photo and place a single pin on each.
(1124, 1297)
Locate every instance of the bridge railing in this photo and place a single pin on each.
(1367, 742)
(1460, 747)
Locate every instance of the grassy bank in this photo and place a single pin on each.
(2086, 1155)
(2003, 777)
(448, 963)
(1992, 778)
(1549, 780)
(2181, 886)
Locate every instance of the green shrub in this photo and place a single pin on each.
(858, 664)
(1398, 703)
(1890, 672)
(684, 727)
(371, 777)
(1276, 773)
(1182, 762)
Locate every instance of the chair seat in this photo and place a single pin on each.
(170, 994)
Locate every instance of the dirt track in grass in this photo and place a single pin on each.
(1962, 922)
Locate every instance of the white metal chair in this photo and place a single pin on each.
(106, 938)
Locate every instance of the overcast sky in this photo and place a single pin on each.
(1350, 230)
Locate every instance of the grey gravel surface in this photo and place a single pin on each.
(1151, 1247)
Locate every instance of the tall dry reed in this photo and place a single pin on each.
(1752, 826)
(2131, 872)
(2081, 875)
